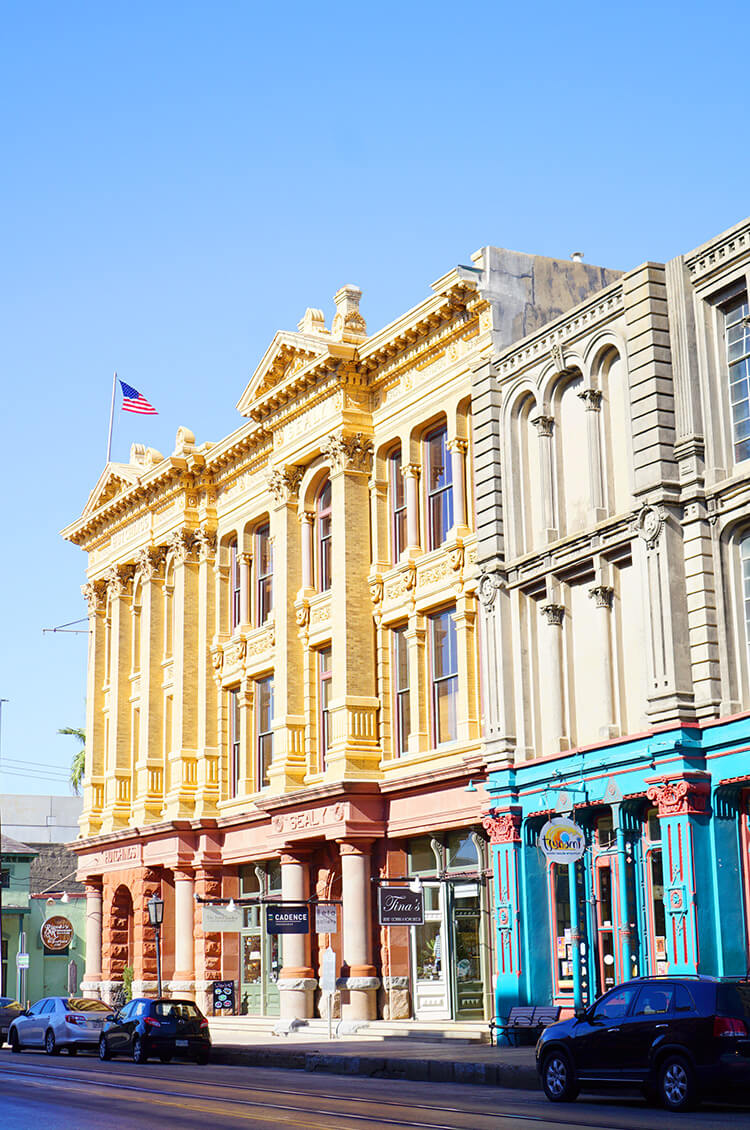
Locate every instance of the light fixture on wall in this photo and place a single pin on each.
(231, 906)
(416, 885)
(470, 788)
(64, 897)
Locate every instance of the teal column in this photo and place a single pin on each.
(622, 886)
(504, 830)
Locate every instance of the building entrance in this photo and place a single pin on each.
(260, 962)
(447, 954)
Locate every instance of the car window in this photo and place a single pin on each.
(733, 1000)
(42, 1006)
(176, 1010)
(683, 1001)
(127, 1011)
(141, 1008)
(8, 1002)
(615, 1005)
(85, 1004)
(653, 1000)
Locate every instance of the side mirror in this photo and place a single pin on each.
(110, 1016)
(582, 1013)
(26, 1012)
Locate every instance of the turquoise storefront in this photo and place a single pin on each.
(664, 881)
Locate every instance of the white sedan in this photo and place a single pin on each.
(54, 1023)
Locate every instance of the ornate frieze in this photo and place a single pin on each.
(349, 453)
(403, 583)
(684, 796)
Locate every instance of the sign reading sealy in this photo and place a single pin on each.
(562, 841)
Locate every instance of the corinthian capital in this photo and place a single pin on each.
(150, 561)
(118, 579)
(183, 545)
(349, 453)
(205, 541)
(95, 594)
(283, 483)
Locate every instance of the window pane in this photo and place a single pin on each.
(462, 851)
(445, 709)
(444, 654)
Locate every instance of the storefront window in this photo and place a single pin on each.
(563, 956)
(421, 857)
(429, 951)
(655, 880)
(462, 852)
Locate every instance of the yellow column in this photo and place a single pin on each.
(208, 752)
(93, 782)
(182, 776)
(118, 771)
(149, 773)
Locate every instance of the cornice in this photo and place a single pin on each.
(600, 309)
(714, 256)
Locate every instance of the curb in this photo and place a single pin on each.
(521, 1076)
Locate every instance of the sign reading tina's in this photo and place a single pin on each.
(400, 906)
(283, 919)
(57, 933)
(562, 841)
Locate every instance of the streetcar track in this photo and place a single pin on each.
(96, 1079)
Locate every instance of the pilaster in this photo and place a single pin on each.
(93, 781)
(149, 766)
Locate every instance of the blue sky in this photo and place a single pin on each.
(179, 180)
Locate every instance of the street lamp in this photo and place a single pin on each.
(156, 917)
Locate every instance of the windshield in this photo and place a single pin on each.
(84, 1004)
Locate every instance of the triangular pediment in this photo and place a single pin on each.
(287, 354)
(115, 479)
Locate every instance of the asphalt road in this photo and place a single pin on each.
(38, 1092)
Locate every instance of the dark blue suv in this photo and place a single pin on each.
(677, 1038)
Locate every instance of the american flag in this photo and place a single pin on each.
(132, 401)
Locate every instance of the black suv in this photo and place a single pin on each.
(677, 1038)
(161, 1027)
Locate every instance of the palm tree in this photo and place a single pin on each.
(78, 764)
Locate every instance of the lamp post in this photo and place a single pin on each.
(156, 917)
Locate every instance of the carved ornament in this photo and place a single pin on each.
(503, 827)
(376, 590)
(603, 595)
(349, 453)
(592, 398)
(488, 586)
(543, 424)
(457, 557)
(302, 614)
(95, 595)
(205, 541)
(150, 561)
(183, 545)
(284, 483)
(118, 579)
(649, 524)
(681, 797)
(553, 613)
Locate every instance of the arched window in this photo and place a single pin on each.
(397, 505)
(439, 479)
(323, 537)
(235, 585)
(737, 336)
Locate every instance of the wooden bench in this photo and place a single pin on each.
(525, 1018)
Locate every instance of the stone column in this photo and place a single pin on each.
(296, 980)
(498, 721)
(458, 449)
(551, 659)
(245, 560)
(411, 472)
(184, 951)
(307, 520)
(208, 752)
(182, 762)
(592, 399)
(149, 767)
(118, 770)
(93, 781)
(467, 723)
(602, 675)
(380, 522)
(144, 942)
(93, 974)
(207, 945)
(544, 425)
(361, 984)
(416, 641)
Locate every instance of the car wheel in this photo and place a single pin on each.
(50, 1046)
(15, 1043)
(72, 1049)
(558, 1078)
(165, 1057)
(104, 1052)
(139, 1051)
(677, 1089)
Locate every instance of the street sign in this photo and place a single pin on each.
(22, 960)
(222, 920)
(325, 918)
(400, 906)
(561, 840)
(223, 994)
(287, 919)
(328, 971)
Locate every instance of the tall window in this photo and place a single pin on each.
(439, 477)
(398, 505)
(323, 532)
(444, 659)
(745, 558)
(235, 580)
(234, 741)
(263, 574)
(737, 331)
(264, 733)
(169, 613)
(324, 699)
(401, 715)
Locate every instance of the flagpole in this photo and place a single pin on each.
(111, 416)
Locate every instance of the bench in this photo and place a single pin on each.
(525, 1018)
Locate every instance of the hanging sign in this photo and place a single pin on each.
(57, 933)
(325, 918)
(562, 841)
(287, 919)
(328, 971)
(400, 906)
(222, 920)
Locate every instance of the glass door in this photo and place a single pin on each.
(431, 996)
(260, 964)
(466, 953)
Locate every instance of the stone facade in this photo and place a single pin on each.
(614, 571)
(283, 682)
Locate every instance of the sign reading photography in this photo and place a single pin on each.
(287, 919)
(57, 933)
(400, 906)
(562, 841)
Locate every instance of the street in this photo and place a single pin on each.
(84, 1094)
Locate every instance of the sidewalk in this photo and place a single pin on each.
(447, 1061)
